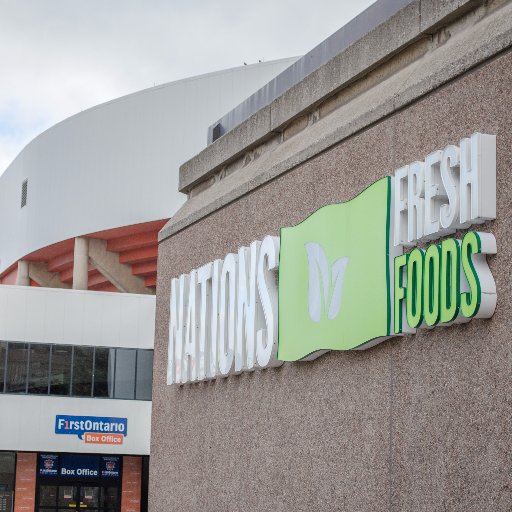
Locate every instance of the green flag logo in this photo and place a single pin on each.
(334, 286)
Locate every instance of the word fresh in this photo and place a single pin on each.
(452, 189)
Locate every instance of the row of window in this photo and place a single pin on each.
(70, 370)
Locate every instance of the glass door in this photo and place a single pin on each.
(67, 497)
(89, 497)
(48, 497)
(109, 499)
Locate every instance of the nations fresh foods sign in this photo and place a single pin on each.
(351, 275)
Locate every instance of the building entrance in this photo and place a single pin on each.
(69, 482)
(78, 496)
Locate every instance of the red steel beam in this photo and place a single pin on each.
(139, 255)
(145, 268)
(135, 241)
(150, 281)
(60, 262)
(104, 287)
(66, 276)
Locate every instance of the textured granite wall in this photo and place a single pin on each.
(419, 423)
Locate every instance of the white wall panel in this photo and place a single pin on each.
(53, 315)
(27, 423)
(116, 164)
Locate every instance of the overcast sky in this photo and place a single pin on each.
(59, 57)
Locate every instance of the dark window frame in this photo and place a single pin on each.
(6, 370)
(134, 372)
(29, 370)
(2, 390)
(113, 377)
(10, 344)
(68, 394)
(137, 369)
(77, 355)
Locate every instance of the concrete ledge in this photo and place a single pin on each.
(418, 19)
(435, 14)
(253, 131)
(487, 37)
(358, 59)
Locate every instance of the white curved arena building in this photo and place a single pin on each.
(80, 211)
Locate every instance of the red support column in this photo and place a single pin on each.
(25, 488)
(132, 484)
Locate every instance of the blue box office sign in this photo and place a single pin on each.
(79, 466)
(93, 429)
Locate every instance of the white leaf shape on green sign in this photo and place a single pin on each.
(321, 281)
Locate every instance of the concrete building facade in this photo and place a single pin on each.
(420, 422)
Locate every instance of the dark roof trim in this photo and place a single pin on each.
(356, 28)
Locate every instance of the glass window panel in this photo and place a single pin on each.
(7, 467)
(7, 464)
(109, 498)
(3, 353)
(39, 367)
(125, 373)
(90, 497)
(61, 370)
(17, 358)
(67, 496)
(104, 362)
(82, 371)
(144, 374)
(48, 495)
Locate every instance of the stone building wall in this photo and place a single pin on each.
(417, 423)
